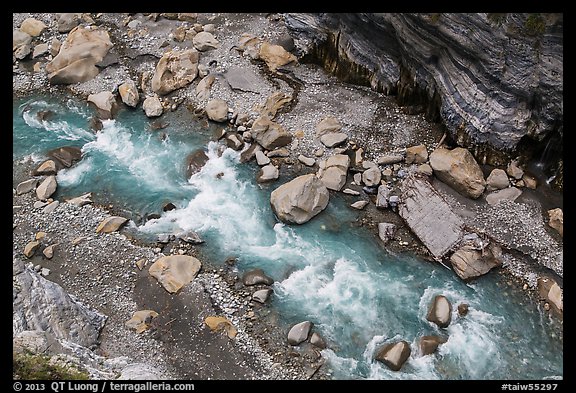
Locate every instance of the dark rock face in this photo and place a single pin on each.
(495, 80)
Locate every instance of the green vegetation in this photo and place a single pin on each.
(28, 366)
(434, 18)
(497, 18)
(534, 25)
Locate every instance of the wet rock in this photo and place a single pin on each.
(510, 194)
(529, 181)
(463, 309)
(275, 56)
(46, 168)
(299, 332)
(65, 156)
(262, 295)
(217, 110)
(195, 161)
(221, 324)
(440, 311)
(394, 355)
(328, 124)
(250, 153)
(81, 51)
(111, 224)
(556, 220)
(429, 344)
(267, 173)
(141, 320)
(256, 277)
(129, 93)
(26, 186)
(190, 237)
(234, 141)
(152, 106)
(269, 134)
(175, 271)
(104, 101)
(497, 180)
(550, 291)
(416, 154)
(318, 341)
(458, 169)
(300, 199)
(386, 231)
(333, 171)
(333, 139)
(46, 188)
(174, 70)
(261, 158)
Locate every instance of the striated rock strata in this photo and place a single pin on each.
(495, 80)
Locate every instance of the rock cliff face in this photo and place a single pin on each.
(494, 80)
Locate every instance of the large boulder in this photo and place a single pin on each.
(195, 161)
(104, 101)
(394, 355)
(256, 277)
(46, 188)
(269, 134)
(174, 70)
(152, 106)
(429, 344)
(204, 41)
(497, 180)
(275, 56)
(81, 51)
(175, 271)
(458, 169)
(129, 93)
(372, 176)
(300, 199)
(469, 263)
(217, 110)
(440, 311)
(42, 305)
(32, 26)
(333, 171)
(46, 168)
(111, 224)
(267, 173)
(299, 332)
(65, 156)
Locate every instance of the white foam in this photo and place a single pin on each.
(75, 174)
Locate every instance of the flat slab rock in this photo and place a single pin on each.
(175, 271)
(429, 216)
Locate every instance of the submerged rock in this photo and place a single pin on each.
(440, 311)
(65, 156)
(256, 277)
(429, 344)
(394, 355)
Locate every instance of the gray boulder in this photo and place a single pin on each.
(469, 263)
(174, 70)
(382, 196)
(175, 271)
(269, 134)
(497, 180)
(152, 106)
(204, 41)
(333, 171)
(81, 51)
(267, 173)
(328, 124)
(256, 277)
(299, 332)
(67, 21)
(262, 295)
(46, 188)
(371, 177)
(217, 110)
(332, 139)
(46, 168)
(300, 199)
